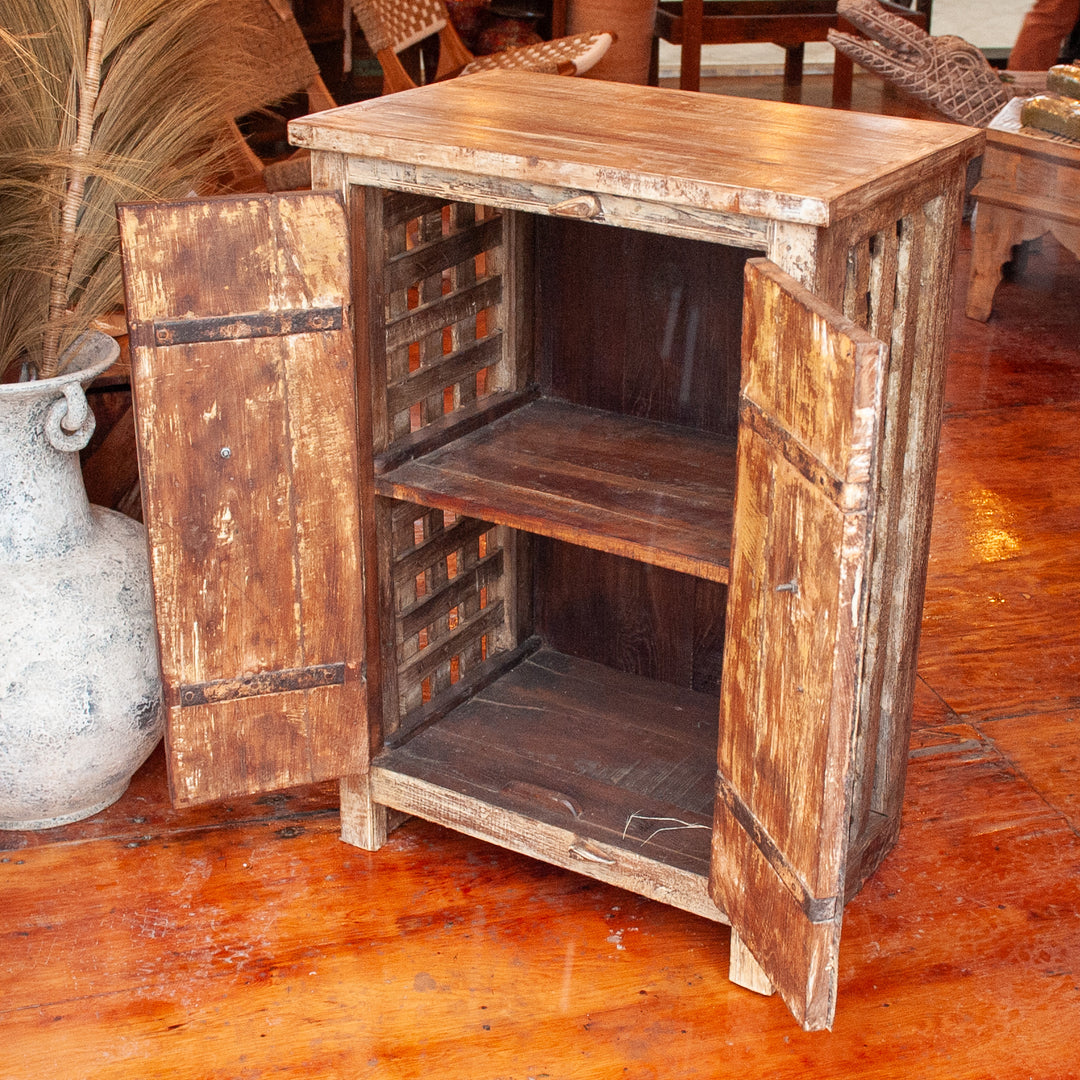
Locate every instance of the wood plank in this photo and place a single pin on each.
(530, 835)
(433, 314)
(801, 393)
(440, 651)
(712, 226)
(442, 253)
(443, 372)
(631, 487)
(471, 580)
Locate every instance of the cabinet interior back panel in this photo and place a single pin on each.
(640, 323)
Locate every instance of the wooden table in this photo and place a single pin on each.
(1030, 186)
(607, 543)
(787, 23)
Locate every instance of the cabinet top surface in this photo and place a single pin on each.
(690, 150)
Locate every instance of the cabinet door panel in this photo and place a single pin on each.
(246, 421)
(812, 385)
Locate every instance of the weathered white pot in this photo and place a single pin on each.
(80, 688)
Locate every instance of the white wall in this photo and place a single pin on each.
(986, 23)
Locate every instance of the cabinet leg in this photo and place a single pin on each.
(363, 822)
(744, 970)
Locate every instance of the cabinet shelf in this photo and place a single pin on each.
(654, 492)
(617, 772)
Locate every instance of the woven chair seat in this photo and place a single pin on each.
(550, 57)
(391, 26)
(272, 61)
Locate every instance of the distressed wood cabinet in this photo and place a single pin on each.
(610, 546)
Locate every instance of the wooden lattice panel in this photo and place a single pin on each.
(887, 291)
(448, 601)
(443, 296)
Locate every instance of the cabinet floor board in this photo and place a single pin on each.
(614, 757)
(244, 940)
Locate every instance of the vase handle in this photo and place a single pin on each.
(70, 422)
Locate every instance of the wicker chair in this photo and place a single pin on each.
(391, 26)
(946, 72)
(269, 41)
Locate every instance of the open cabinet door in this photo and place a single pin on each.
(811, 390)
(245, 405)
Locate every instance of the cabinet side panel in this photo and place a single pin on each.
(910, 263)
(451, 331)
(457, 311)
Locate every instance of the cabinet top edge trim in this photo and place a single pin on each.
(768, 159)
(716, 226)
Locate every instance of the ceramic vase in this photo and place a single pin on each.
(80, 687)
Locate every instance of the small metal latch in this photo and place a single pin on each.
(791, 586)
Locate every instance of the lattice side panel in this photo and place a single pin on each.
(888, 291)
(876, 293)
(443, 291)
(448, 602)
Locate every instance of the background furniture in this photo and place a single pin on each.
(1030, 186)
(947, 72)
(269, 43)
(392, 26)
(788, 23)
(631, 21)
(569, 569)
(322, 23)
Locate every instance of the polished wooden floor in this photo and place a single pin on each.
(246, 941)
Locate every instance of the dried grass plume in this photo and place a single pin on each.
(102, 101)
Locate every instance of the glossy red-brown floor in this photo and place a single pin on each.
(246, 941)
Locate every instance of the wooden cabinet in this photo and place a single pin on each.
(636, 483)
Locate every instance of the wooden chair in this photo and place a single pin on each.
(787, 23)
(391, 26)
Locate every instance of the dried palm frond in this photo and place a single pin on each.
(102, 101)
